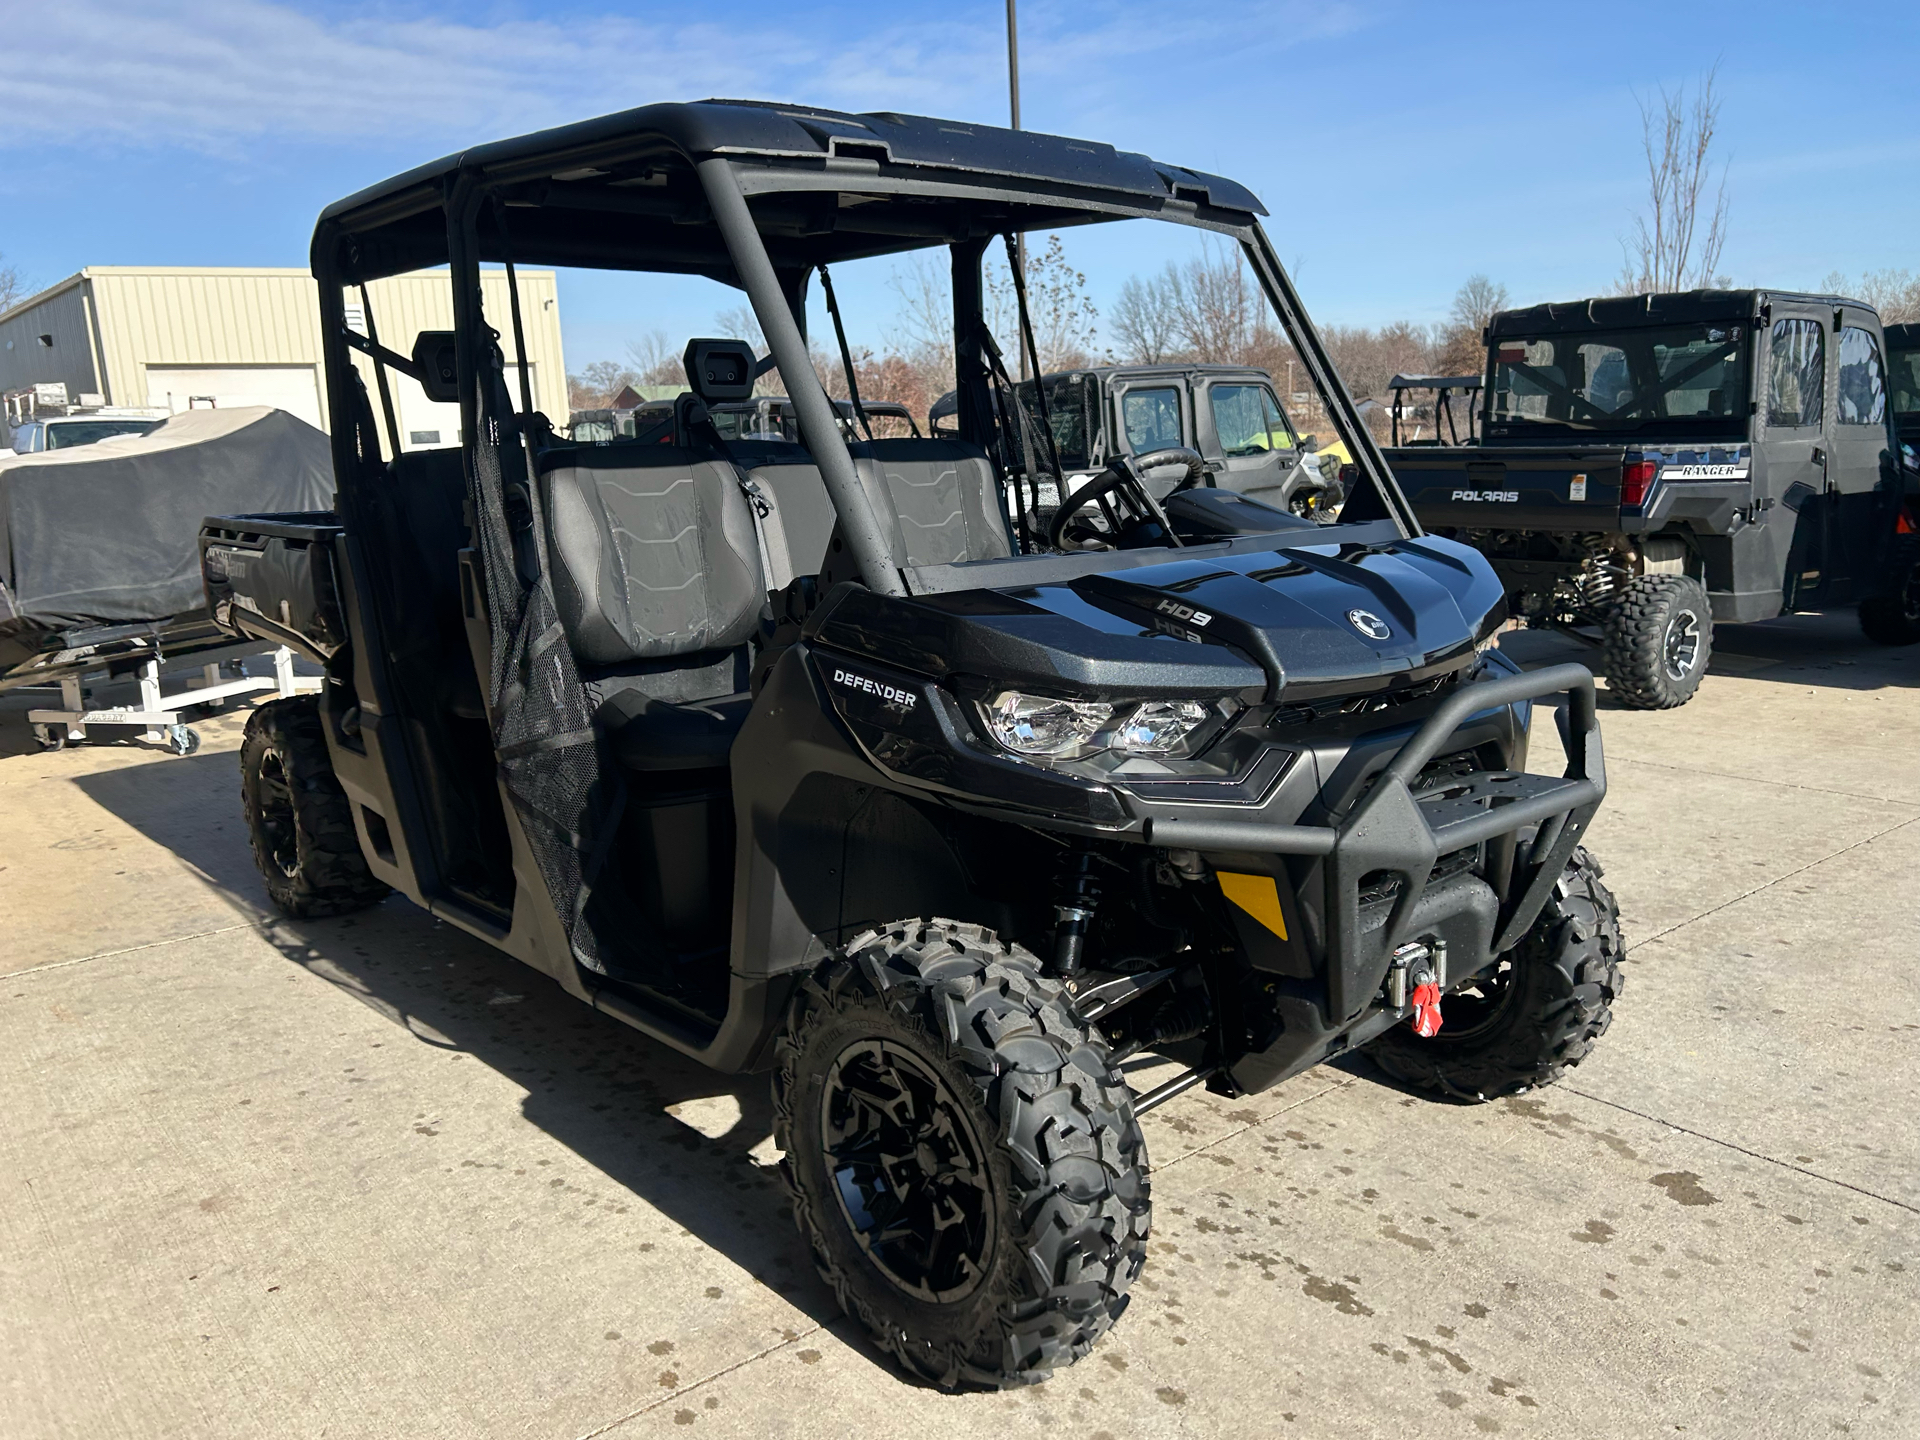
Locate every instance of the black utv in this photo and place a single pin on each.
(820, 758)
(1652, 465)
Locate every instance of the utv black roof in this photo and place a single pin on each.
(1613, 312)
(620, 191)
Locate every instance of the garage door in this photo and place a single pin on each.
(293, 388)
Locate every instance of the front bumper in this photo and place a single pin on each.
(1396, 830)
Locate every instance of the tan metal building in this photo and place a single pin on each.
(180, 338)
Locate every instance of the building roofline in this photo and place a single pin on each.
(40, 297)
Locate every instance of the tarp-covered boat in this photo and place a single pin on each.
(99, 545)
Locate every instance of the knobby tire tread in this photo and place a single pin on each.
(1635, 641)
(1072, 1158)
(332, 876)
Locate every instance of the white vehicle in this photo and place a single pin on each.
(41, 418)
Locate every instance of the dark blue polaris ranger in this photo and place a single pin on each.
(843, 759)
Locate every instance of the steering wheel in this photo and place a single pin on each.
(1124, 480)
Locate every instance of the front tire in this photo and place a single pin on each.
(1536, 1013)
(298, 818)
(1658, 638)
(962, 1156)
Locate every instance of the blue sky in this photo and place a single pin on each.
(1401, 147)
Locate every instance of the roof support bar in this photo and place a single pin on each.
(858, 524)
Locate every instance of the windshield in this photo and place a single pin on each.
(68, 433)
(1661, 379)
(1069, 400)
(1903, 365)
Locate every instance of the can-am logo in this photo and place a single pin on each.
(1184, 612)
(892, 694)
(1369, 624)
(1478, 497)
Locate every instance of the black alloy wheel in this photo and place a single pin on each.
(909, 1171)
(962, 1154)
(299, 820)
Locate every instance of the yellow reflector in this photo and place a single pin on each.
(1258, 896)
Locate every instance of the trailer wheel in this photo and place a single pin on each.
(962, 1155)
(1658, 638)
(298, 817)
(1537, 1012)
(1893, 616)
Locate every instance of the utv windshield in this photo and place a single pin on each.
(1677, 379)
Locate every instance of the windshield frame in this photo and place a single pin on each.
(1627, 423)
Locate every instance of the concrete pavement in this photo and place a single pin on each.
(364, 1177)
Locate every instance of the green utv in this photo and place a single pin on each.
(825, 757)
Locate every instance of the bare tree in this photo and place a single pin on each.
(1146, 318)
(594, 386)
(655, 359)
(1475, 302)
(1669, 250)
(1894, 294)
(13, 286)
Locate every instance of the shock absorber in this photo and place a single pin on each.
(1077, 897)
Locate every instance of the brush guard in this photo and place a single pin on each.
(1401, 831)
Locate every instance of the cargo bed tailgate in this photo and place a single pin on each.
(1511, 487)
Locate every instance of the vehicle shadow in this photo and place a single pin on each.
(691, 1143)
(1824, 650)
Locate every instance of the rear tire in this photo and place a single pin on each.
(1658, 641)
(963, 1157)
(298, 817)
(1893, 616)
(1536, 1014)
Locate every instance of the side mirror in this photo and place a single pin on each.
(433, 355)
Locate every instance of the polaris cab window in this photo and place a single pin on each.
(1248, 420)
(1675, 379)
(1796, 373)
(1863, 381)
(1905, 367)
(1151, 419)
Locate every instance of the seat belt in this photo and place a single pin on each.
(766, 515)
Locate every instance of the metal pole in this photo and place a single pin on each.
(1013, 97)
(818, 423)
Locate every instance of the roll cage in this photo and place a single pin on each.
(761, 196)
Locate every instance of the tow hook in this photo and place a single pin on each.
(1419, 973)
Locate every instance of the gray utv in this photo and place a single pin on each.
(825, 757)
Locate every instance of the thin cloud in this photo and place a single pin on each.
(222, 73)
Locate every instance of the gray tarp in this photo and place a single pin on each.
(110, 532)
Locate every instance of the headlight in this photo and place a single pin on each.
(1038, 726)
(1159, 727)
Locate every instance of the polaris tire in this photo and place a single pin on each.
(1538, 1013)
(962, 1156)
(298, 818)
(1893, 616)
(1658, 639)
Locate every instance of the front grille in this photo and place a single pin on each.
(1304, 712)
(1378, 886)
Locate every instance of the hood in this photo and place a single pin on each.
(1303, 620)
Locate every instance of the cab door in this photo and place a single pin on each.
(1860, 452)
(1793, 453)
(1248, 435)
(1150, 412)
